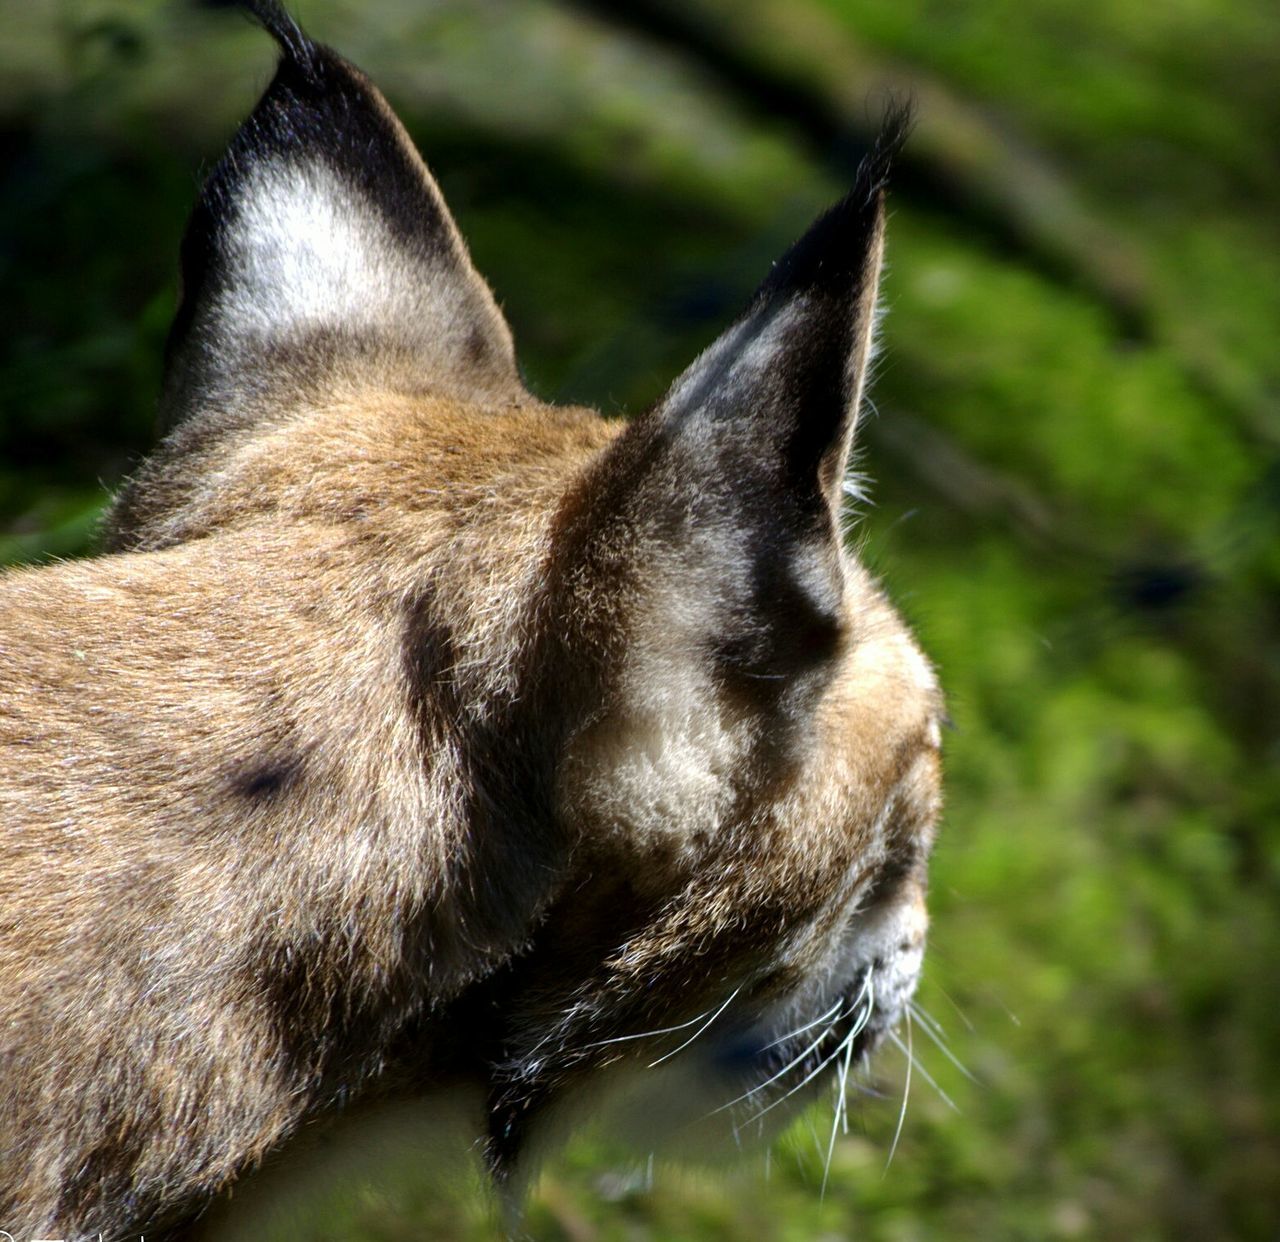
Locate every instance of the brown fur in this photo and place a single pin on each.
(395, 744)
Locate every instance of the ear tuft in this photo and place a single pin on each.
(274, 18)
(831, 256)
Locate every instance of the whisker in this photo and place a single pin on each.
(667, 1056)
(786, 1069)
(862, 1021)
(843, 1088)
(926, 1022)
(662, 1030)
(906, 1091)
(869, 988)
(840, 1001)
(800, 1030)
(925, 1016)
(844, 1092)
(990, 995)
(960, 1013)
(808, 1078)
(840, 1112)
(924, 1073)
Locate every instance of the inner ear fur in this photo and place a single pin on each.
(321, 244)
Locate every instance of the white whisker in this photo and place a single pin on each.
(869, 990)
(804, 1082)
(934, 1032)
(667, 1056)
(662, 1030)
(906, 1091)
(800, 1030)
(925, 1016)
(859, 1026)
(840, 1116)
(924, 1073)
(786, 1069)
(862, 1021)
(960, 1013)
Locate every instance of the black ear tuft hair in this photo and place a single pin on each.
(275, 19)
(829, 258)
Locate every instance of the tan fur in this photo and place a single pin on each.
(140, 689)
(385, 747)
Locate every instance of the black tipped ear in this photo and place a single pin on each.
(783, 385)
(732, 485)
(321, 242)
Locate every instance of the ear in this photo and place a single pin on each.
(321, 243)
(785, 382)
(738, 474)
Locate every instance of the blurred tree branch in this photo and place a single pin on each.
(796, 62)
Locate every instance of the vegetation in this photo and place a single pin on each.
(1077, 502)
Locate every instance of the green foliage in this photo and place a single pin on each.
(1077, 503)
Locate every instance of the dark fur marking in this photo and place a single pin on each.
(106, 1174)
(269, 779)
(478, 349)
(509, 758)
(585, 927)
(329, 1036)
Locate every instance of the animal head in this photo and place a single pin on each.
(667, 772)
(701, 750)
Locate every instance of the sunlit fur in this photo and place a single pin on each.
(411, 732)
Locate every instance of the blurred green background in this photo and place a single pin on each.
(1076, 456)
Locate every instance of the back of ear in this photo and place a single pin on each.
(321, 242)
(783, 385)
(734, 482)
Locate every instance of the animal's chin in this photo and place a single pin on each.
(744, 1066)
(743, 1081)
(783, 1064)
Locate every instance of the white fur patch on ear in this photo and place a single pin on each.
(305, 251)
